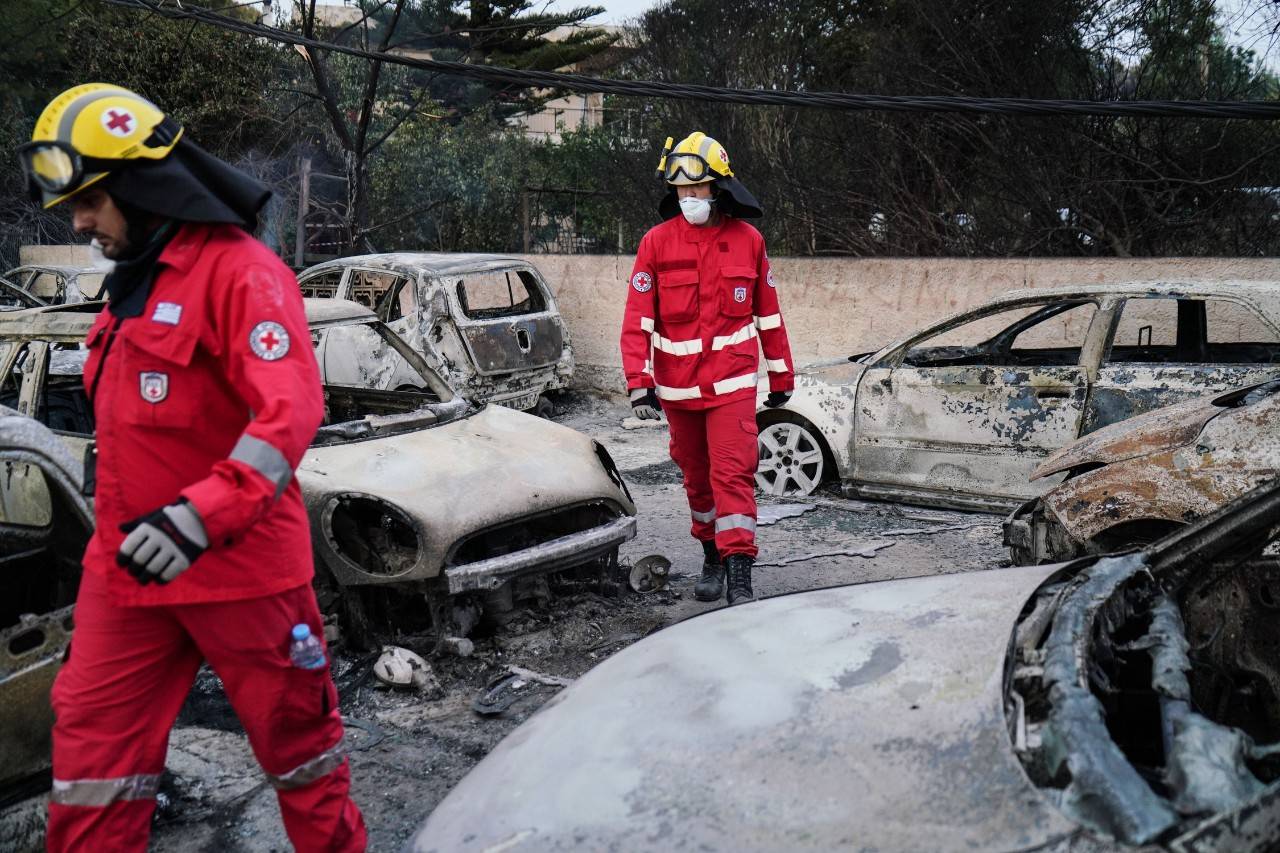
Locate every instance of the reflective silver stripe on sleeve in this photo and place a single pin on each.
(732, 522)
(704, 517)
(103, 792)
(304, 774)
(775, 365)
(265, 459)
(667, 345)
(666, 393)
(746, 333)
(646, 324)
(770, 321)
(737, 383)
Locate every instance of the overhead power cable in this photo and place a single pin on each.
(1253, 110)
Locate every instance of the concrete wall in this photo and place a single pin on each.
(838, 306)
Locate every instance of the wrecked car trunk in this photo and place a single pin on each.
(1131, 483)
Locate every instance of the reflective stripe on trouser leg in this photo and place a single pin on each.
(104, 792)
(309, 771)
(689, 451)
(265, 459)
(730, 522)
(731, 442)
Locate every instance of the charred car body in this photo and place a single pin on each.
(1123, 702)
(52, 284)
(961, 413)
(45, 523)
(418, 492)
(488, 323)
(1133, 482)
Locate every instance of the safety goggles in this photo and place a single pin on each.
(693, 167)
(57, 168)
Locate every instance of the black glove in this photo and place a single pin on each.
(645, 405)
(162, 544)
(777, 398)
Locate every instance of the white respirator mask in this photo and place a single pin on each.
(696, 210)
(97, 260)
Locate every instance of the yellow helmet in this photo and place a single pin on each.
(86, 132)
(696, 160)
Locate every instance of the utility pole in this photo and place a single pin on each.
(304, 200)
(524, 218)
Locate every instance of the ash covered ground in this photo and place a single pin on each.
(408, 749)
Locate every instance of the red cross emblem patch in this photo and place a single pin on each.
(269, 341)
(154, 387)
(118, 121)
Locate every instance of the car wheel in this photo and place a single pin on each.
(793, 460)
(543, 408)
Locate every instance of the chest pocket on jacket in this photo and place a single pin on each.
(735, 295)
(678, 296)
(156, 360)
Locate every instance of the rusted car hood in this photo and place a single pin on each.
(1157, 431)
(863, 717)
(495, 465)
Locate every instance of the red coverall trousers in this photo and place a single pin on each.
(130, 670)
(716, 451)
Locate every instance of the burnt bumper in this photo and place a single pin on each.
(562, 553)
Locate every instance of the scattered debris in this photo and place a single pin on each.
(398, 667)
(650, 573)
(767, 514)
(866, 552)
(942, 528)
(505, 690)
(460, 646)
(636, 423)
(540, 677)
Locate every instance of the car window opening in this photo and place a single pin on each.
(1167, 330)
(1039, 336)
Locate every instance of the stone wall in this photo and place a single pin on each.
(839, 306)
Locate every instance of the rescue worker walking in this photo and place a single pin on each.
(206, 394)
(700, 296)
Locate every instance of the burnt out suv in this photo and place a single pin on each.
(488, 323)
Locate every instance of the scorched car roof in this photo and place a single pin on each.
(432, 263)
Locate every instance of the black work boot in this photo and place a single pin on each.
(738, 567)
(711, 585)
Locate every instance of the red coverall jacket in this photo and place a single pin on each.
(699, 298)
(212, 394)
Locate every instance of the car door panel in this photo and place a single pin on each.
(955, 422)
(969, 429)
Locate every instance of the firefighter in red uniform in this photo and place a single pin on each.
(701, 295)
(206, 394)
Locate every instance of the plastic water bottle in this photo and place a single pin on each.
(305, 651)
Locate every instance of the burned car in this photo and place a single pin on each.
(53, 284)
(488, 323)
(1127, 702)
(45, 524)
(411, 494)
(960, 414)
(1133, 482)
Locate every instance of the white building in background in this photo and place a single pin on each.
(574, 111)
